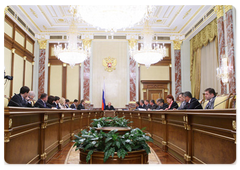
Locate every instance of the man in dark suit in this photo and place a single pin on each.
(153, 105)
(74, 105)
(56, 102)
(147, 105)
(210, 95)
(41, 103)
(191, 103)
(19, 100)
(142, 105)
(67, 103)
(161, 104)
(81, 105)
(109, 107)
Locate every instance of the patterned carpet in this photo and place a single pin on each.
(73, 157)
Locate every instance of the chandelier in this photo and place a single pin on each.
(72, 53)
(223, 71)
(149, 53)
(112, 17)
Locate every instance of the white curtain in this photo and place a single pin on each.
(209, 64)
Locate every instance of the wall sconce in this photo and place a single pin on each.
(13, 50)
(223, 70)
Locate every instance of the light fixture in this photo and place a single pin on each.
(223, 70)
(72, 53)
(149, 53)
(112, 17)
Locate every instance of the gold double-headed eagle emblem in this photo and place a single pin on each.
(109, 64)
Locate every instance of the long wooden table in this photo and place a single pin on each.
(33, 135)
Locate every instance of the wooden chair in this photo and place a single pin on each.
(232, 101)
(221, 98)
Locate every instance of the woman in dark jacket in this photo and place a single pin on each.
(172, 103)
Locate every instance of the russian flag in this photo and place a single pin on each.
(103, 97)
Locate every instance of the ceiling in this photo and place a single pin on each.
(55, 19)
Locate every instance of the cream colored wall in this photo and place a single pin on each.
(7, 65)
(72, 83)
(29, 46)
(28, 74)
(153, 73)
(19, 38)
(115, 81)
(8, 29)
(55, 80)
(17, 73)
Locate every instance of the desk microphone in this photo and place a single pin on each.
(223, 101)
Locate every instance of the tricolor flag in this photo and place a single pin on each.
(103, 96)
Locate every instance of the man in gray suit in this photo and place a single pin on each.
(182, 100)
(210, 95)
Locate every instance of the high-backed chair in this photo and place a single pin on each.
(232, 101)
(221, 102)
(5, 102)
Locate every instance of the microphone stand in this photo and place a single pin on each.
(222, 101)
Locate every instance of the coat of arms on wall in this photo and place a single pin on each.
(109, 64)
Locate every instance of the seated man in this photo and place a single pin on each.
(147, 105)
(137, 105)
(161, 104)
(191, 103)
(30, 98)
(41, 103)
(56, 102)
(74, 105)
(109, 107)
(153, 105)
(67, 103)
(142, 105)
(81, 105)
(182, 100)
(19, 100)
(210, 95)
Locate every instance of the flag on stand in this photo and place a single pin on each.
(103, 96)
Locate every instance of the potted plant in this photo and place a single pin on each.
(97, 146)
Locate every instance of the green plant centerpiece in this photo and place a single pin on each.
(113, 138)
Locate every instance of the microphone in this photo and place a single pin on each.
(223, 101)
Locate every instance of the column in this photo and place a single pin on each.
(41, 68)
(132, 82)
(177, 57)
(221, 40)
(230, 48)
(86, 83)
(86, 41)
(132, 42)
(4, 10)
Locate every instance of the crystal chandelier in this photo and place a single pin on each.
(149, 53)
(72, 53)
(223, 71)
(112, 17)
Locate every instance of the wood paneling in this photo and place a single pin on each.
(35, 135)
(21, 50)
(156, 88)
